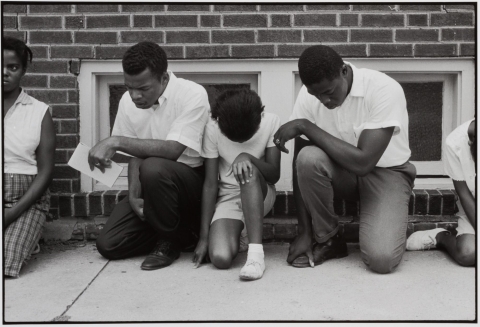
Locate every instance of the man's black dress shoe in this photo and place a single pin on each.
(335, 247)
(162, 255)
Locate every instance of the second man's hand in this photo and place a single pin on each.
(100, 155)
(289, 131)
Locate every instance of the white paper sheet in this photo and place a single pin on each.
(79, 161)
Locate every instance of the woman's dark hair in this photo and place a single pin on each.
(317, 63)
(239, 113)
(145, 55)
(20, 48)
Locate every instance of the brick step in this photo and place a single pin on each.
(275, 229)
(422, 203)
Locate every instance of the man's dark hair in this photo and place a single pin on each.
(317, 63)
(20, 48)
(145, 55)
(239, 113)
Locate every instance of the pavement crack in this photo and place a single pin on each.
(64, 317)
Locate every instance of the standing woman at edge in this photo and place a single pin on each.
(29, 151)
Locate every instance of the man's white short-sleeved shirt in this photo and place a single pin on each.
(23, 128)
(180, 116)
(375, 101)
(459, 164)
(217, 145)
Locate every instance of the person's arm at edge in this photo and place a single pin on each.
(270, 168)
(45, 154)
(135, 187)
(467, 200)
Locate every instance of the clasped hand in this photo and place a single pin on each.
(242, 168)
(99, 156)
(289, 131)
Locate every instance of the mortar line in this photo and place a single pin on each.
(74, 301)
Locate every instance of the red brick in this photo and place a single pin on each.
(18, 35)
(72, 96)
(95, 203)
(40, 51)
(14, 8)
(454, 7)
(61, 186)
(228, 36)
(373, 7)
(458, 34)
(54, 201)
(176, 21)
(74, 22)
(452, 19)
(350, 50)
(49, 9)
(40, 22)
(76, 185)
(113, 52)
(421, 202)
(64, 171)
(468, 49)
(142, 21)
(109, 201)
(435, 50)
(280, 36)
(388, 20)
(325, 36)
(56, 126)
(138, 36)
(280, 205)
(9, 22)
(63, 82)
(173, 51)
(416, 35)
(34, 81)
(96, 37)
(50, 37)
(236, 7)
(285, 231)
(142, 8)
(421, 7)
(448, 202)
(349, 19)
(108, 21)
(434, 202)
(65, 205)
(71, 52)
(64, 111)
(245, 21)
(80, 205)
(391, 50)
(210, 20)
(49, 96)
(188, 7)
(187, 37)
(314, 20)
(253, 51)
(281, 21)
(424, 226)
(97, 8)
(215, 51)
(291, 205)
(268, 233)
(417, 20)
(122, 195)
(328, 7)
(366, 35)
(67, 141)
(288, 8)
(60, 156)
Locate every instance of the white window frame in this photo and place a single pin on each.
(276, 87)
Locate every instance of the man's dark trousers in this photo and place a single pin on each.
(172, 195)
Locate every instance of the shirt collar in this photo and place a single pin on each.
(23, 98)
(170, 86)
(357, 89)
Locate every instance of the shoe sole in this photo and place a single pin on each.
(156, 268)
(306, 265)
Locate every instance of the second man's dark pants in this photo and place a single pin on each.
(172, 195)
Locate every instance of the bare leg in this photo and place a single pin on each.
(253, 195)
(223, 241)
(461, 248)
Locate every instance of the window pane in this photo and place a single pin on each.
(424, 104)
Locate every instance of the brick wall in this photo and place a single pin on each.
(62, 35)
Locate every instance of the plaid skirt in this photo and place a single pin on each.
(23, 234)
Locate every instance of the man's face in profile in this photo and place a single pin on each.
(332, 93)
(145, 88)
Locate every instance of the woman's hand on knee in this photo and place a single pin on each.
(137, 206)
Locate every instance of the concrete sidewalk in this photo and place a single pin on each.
(74, 283)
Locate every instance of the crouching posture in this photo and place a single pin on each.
(353, 125)
(461, 156)
(241, 166)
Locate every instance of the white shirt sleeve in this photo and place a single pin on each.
(189, 126)
(452, 164)
(210, 140)
(387, 107)
(122, 125)
(275, 125)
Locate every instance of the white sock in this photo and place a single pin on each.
(255, 265)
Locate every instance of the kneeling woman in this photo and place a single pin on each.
(29, 152)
